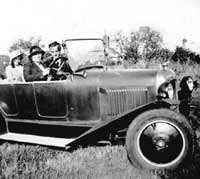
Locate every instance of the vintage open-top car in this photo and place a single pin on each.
(98, 104)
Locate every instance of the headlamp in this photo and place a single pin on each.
(165, 91)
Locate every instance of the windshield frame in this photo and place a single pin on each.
(104, 50)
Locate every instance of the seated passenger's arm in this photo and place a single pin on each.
(30, 76)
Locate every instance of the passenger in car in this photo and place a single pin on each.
(14, 71)
(34, 69)
(185, 94)
(57, 62)
(186, 88)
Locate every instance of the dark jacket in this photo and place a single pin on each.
(59, 65)
(62, 64)
(185, 97)
(32, 72)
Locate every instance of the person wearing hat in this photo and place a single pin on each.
(14, 71)
(34, 69)
(185, 94)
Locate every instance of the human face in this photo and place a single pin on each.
(170, 91)
(16, 62)
(55, 52)
(37, 58)
(190, 84)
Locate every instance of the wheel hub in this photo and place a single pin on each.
(160, 143)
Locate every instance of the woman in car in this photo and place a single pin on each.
(34, 69)
(185, 94)
(187, 86)
(14, 71)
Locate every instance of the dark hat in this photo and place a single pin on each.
(54, 43)
(36, 50)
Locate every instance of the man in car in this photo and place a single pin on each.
(57, 62)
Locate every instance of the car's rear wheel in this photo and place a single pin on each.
(160, 139)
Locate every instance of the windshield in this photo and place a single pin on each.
(85, 52)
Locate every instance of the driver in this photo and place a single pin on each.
(57, 62)
(34, 69)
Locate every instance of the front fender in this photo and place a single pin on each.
(121, 121)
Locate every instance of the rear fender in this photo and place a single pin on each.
(122, 121)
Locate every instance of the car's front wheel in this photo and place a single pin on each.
(160, 139)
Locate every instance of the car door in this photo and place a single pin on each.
(51, 99)
(83, 99)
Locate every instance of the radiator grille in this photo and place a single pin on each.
(121, 100)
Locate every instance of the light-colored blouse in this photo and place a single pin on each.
(14, 74)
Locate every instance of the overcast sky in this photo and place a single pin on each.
(62, 19)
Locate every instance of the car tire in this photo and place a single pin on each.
(160, 139)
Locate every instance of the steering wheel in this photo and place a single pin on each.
(55, 73)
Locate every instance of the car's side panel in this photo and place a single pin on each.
(83, 99)
(25, 101)
(121, 91)
(117, 101)
(51, 100)
(125, 78)
(46, 128)
(71, 100)
(79, 100)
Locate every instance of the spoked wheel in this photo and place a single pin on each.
(160, 139)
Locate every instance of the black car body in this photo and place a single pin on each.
(79, 103)
(83, 110)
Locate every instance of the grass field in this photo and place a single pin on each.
(108, 162)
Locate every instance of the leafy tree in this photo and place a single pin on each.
(145, 43)
(4, 61)
(120, 42)
(23, 46)
(184, 55)
(165, 54)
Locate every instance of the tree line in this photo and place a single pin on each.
(145, 44)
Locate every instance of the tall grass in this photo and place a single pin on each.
(25, 161)
(186, 69)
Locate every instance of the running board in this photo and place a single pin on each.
(34, 139)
